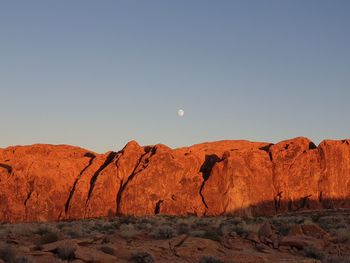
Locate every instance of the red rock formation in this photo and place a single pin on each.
(45, 182)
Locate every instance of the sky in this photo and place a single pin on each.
(98, 74)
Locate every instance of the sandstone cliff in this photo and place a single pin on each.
(46, 182)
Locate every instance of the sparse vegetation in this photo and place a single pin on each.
(209, 259)
(141, 257)
(336, 259)
(343, 235)
(66, 251)
(164, 232)
(104, 232)
(312, 252)
(127, 230)
(7, 254)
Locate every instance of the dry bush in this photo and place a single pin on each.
(227, 227)
(211, 234)
(332, 222)
(234, 220)
(127, 231)
(141, 257)
(45, 228)
(164, 232)
(183, 228)
(127, 220)
(312, 252)
(336, 259)
(251, 227)
(209, 259)
(66, 251)
(23, 229)
(147, 227)
(283, 225)
(7, 254)
(343, 235)
(4, 231)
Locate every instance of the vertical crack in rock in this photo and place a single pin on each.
(266, 148)
(157, 207)
(134, 172)
(305, 202)
(30, 192)
(206, 168)
(71, 193)
(320, 197)
(277, 201)
(108, 161)
(322, 177)
(7, 167)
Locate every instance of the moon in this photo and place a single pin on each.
(181, 113)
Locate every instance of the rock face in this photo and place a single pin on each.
(46, 182)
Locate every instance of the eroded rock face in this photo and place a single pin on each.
(46, 182)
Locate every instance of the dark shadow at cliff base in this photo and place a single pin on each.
(275, 207)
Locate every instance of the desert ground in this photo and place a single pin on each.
(313, 236)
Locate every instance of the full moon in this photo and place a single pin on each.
(181, 112)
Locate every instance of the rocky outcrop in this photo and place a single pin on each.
(46, 182)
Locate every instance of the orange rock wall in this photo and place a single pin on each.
(46, 182)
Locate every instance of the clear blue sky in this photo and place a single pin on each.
(100, 73)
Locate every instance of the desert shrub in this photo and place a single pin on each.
(24, 229)
(299, 220)
(107, 227)
(141, 257)
(332, 222)
(224, 229)
(201, 223)
(164, 232)
(183, 228)
(283, 225)
(315, 217)
(66, 251)
(97, 225)
(75, 233)
(343, 235)
(62, 224)
(127, 220)
(7, 254)
(48, 238)
(209, 259)
(308, 221)
(312, 252)
(4, 231)
(143, 226)
(235, 220)
(336, 259)
(251, 227)
(211, 234)
(44, 228)
(260, 220)
(127, 230)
